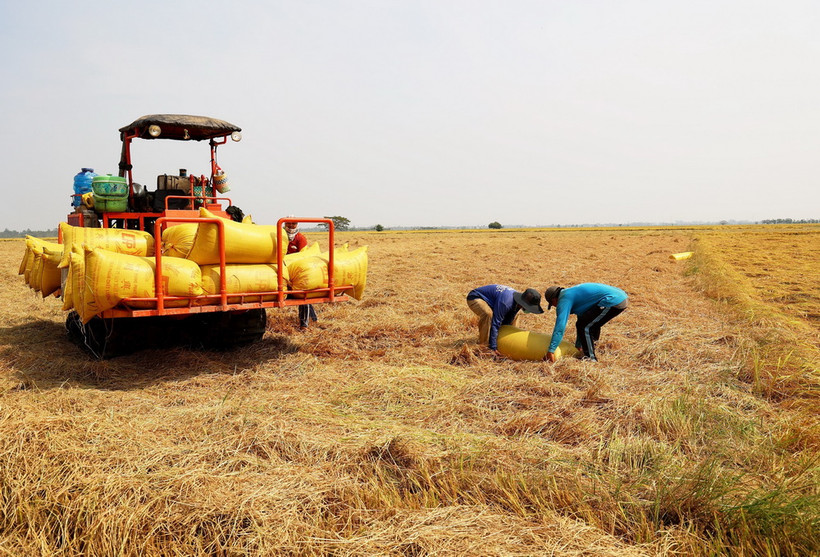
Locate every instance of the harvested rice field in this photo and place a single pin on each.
(384, 430)
(778, 266)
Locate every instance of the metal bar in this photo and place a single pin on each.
(158, 225)
(330, 265)
(188, 310)
(280, 279)
(192, 198)
(125, 157)
(223, 280)
(214, 143)
(331, 241)
(158, 283)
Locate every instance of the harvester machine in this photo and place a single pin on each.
(228, 315)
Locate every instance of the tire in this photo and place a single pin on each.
(225, 330)
(108, 338)
(100, 338)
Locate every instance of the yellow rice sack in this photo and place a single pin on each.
(25, 261)
(85, 307)
(252, 278)
(177, 240)
(244, 243)
(518, 344)
(51, 280)
(129, 242)
(289, 258)
(242, 278)
(110, 277)
(67, 288)
(308, 273)
(41, 272)
(35, 276)
(29, 268)
(349, 268)
(75, 280)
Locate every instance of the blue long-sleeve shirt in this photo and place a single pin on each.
(500, 299)
(577, 300)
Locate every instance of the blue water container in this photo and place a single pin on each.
(82, 184)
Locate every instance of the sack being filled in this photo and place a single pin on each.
(518, 344)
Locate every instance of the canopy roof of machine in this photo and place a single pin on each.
(180, 126)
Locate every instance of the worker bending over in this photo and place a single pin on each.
(497, 305)
(593, 303)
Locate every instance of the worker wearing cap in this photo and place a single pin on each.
(593, 303)
(296, 243)
(497, 305)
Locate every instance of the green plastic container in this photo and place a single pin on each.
(110, 203)
(110, 194)
(109, 186)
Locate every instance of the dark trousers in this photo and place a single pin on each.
(588, 327)
(306, 313)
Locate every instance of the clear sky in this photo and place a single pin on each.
(427, 113)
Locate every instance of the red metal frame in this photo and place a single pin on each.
(214, 166)
(211, 205)
(331, 242)
(74, 219)
(219, 302)
(126, 157)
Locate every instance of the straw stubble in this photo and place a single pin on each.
(384, 429)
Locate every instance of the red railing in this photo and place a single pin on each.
(233, 301)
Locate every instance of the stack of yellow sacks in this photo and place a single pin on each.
(106, 265)
(250, 258)
(39, 266)
(96, 268)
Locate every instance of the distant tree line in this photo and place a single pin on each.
(21, 234)
(789, 221)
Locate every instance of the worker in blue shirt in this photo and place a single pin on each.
(593, 303)
(497, 305)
